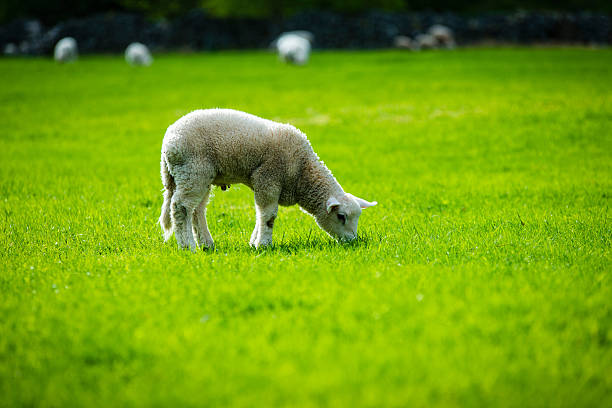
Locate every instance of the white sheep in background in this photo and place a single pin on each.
(300, 33)
(424, 42)
(294, 48)
(138, 54)
(66, 50)
(10, 49)
(222, 147)
(443, 35)
(402, 41)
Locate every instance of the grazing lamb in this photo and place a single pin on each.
(293, 48)
(138, 54)
(443, 35)
(66, 50)
(224, 146)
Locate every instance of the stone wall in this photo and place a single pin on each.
(111, 33)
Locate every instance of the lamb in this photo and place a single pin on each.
(224, 146)
(66, 50)
(294, 47)
(138, 54)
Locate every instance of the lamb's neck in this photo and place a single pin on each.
(315, 186)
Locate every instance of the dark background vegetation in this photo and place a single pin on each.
(50, 12)
(33, 27)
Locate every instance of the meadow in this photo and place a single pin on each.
(482, 278)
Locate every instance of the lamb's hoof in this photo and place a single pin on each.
(261, 244)
(191, 247)
(208, 247)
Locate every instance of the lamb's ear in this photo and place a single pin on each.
(363, 203)
(331, 203)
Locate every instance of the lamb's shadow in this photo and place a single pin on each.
(310, 245)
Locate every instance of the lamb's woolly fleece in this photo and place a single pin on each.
(293, 48)
(138, 54)
(223, 147)
(66, 50)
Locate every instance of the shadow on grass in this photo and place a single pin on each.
(317, 244)
(304, 244)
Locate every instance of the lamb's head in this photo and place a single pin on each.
(341, 216)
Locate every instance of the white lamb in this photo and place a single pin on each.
(293, 48)
(223, 146)
(138, 54)
(66, 50)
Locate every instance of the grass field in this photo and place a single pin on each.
(482, 278)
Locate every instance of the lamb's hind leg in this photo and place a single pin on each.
(200, 227)
(192, 184)
(182, 208)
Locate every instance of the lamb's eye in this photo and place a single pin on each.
(342, 218)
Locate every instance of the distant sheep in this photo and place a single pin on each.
(138, 54)
(307, 35)
(443, 35)
(402, 41)
(10, 49)
(222, 147)
(294, 47)
(424, 42)
(66, 50)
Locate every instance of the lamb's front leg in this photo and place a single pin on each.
(255, 233)
(267, 193)
(265, 222)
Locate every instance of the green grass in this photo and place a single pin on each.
(482, 278)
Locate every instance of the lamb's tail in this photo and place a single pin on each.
(169, 186)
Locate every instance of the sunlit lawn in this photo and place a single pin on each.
(482, 278)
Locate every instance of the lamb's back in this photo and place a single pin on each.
(234, 142)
